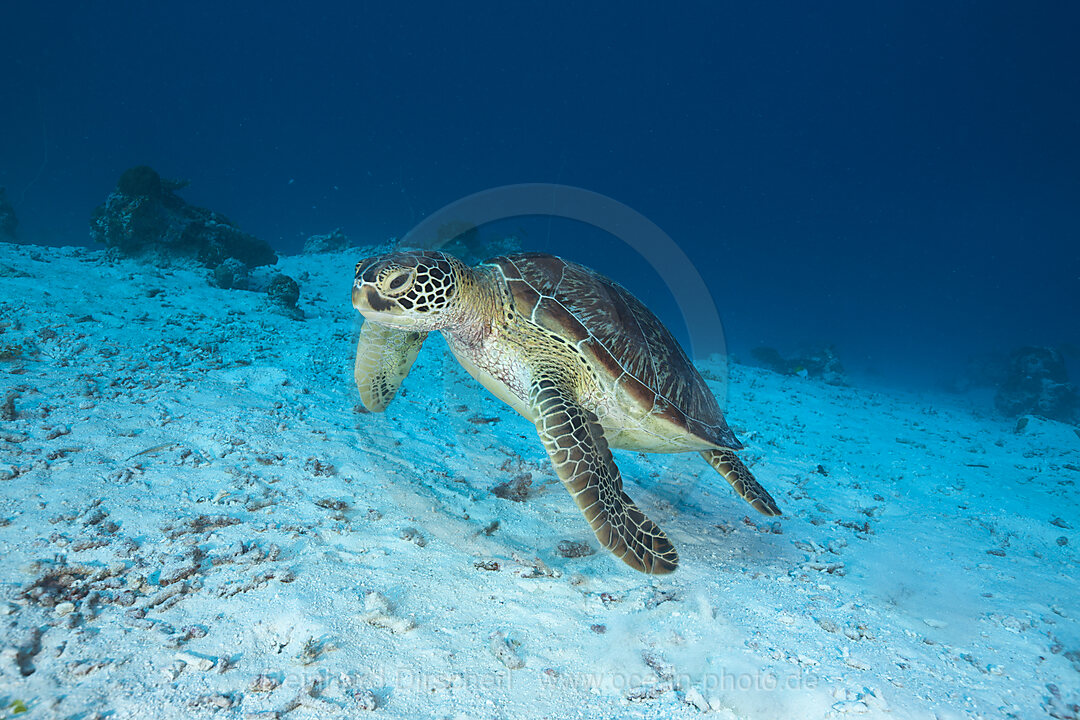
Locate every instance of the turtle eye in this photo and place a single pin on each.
(398, 281)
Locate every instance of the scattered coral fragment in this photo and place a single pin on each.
(377, 612)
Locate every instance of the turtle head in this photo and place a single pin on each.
(417, 290)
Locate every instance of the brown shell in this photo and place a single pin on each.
(623, 336)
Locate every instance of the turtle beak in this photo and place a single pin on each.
(358, 300)
(370, 303)
(367, 270)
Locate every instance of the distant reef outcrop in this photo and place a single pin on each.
(465, 241)
(821, 363)
(1036, 382)
(144, 217)
(335, 241)
(8, 222)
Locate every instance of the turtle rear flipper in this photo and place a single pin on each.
(384, 356)
(575, 443)
(728, 464)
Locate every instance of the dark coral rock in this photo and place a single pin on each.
(231, 274)
(333, 242)
(140, 181)
(8, 221)
(283, 292)
(1037, 383)
(145, 217)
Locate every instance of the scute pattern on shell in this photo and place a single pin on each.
(626, 339)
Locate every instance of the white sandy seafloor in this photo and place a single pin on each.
(197, 521)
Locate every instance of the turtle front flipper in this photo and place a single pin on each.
(728, 464)
(575, 443)
(384, 356)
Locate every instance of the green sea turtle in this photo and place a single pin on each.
(570, 350)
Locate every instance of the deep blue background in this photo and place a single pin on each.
(899, 178)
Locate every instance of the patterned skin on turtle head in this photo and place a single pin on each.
(416, 290)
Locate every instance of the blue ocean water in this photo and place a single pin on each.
(198, 512)
(898, 179)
